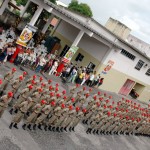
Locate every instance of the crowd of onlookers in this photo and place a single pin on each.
(37, 59)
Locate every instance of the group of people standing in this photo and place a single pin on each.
(41, 104)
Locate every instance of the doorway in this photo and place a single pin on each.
(127, 87)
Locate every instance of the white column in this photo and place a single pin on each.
(36, 15)
(25, 8)
(47, 24)
(4, 6)
(78, 38)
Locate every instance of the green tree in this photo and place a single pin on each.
(23, 2)
(81, 8)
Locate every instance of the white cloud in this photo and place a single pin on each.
(134, 13)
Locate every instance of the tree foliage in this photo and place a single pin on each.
(23, 2)
(81, 8)
(32, 8)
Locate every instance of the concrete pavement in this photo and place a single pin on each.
(41, 140)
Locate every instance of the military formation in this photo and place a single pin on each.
(42, 105)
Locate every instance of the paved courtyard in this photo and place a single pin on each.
(41, 140)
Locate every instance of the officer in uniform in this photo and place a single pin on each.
(7, 79)
(4, 100)
(25, 93)
(22, 110)
(35, 112)
(44, 113)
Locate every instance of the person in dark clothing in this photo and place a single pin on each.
(100, 82)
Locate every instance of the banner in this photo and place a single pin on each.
(26, 35)
(108, 67)
(67, 58)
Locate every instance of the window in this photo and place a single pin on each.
(79, 57)
(64, 51)
(139, 65)
(91, 66)
(127, 54)
(148, 72)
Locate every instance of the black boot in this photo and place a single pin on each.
(40, 126)
(11, 111)
(86, 122)
(29, 127)
(70, 129)
(15, 126)
(28, 113)
(24, 126)
(10, 126)
(16, 111)
(1, 93)
(73, 129)
(53, 129)
(34, 127)
(57, 129)
(61, 129)
(65, 129)
(50, 128)
(97, 132)
(45, 128)
(90, 130)
(94, 131)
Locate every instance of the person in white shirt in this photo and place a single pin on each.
(54, 67)
(42, 62)
(91, 79)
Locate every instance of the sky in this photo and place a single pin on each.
(133, 13)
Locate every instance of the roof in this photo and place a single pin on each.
(14, 6)
(85, 25)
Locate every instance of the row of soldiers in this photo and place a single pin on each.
(42, 105)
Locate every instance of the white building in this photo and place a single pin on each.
(122, 65)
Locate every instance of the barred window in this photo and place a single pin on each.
(139, 65)
(148, 72)
(127, 54)
(79, 57)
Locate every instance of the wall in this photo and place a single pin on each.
(118, 28)
(115, 79)
(91, 48)
(126, 66)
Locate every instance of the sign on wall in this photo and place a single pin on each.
(26, 35)
(67, 58)
(108, 67)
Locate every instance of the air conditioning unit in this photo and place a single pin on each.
(146, 65)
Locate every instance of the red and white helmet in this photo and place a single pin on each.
(84, 88)
(53, 103)
(24, 73)
(10, 94)
(64, 92)
(65, 97)
(14, 69)
(84, 110)
(72, 100)
(70, 107)
(34, 77)
(50, 88)
(40, 90)
(49, 81)
(77, 109)
(43, 102)
(99, 93)
(63, 105)
(30, 87)
(51, 94)
(57, 84)
(1, 81)
(41, 78)
(21, 78)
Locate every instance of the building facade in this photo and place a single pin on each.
(122, 65)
